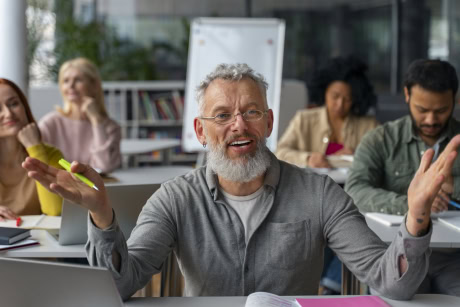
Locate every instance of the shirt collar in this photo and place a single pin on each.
(272, 176)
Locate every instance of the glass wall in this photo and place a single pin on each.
(148, 39)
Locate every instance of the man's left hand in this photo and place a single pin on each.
(426, 185)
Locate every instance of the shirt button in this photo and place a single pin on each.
(422, 152)
(398, 213)
(325, 140)
(381, 210)
(397, 173)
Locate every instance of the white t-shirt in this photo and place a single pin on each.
(247, 209)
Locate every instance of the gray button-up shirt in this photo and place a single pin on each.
(386, 161)
(302, 212)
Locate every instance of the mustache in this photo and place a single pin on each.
(431, 126)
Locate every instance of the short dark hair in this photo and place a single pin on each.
(433, 75)
(350, 70)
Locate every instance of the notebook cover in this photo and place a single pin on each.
(11, 235)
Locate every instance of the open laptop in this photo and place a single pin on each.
(126, 200)
(40, 284)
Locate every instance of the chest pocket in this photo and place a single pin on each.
(289, 244)
(398, 177)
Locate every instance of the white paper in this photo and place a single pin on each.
(35, 222)
(17, 244)
(265, 299)
(386, 219)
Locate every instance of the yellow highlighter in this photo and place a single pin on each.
(66, 165)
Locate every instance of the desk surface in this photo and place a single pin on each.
(48, 248)
(139, 146)
(339, 175)
(420, 300)
(442, 237)
(148, 175)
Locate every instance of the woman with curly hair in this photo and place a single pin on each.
(344, 95)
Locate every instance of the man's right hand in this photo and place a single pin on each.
(73, 189)
(317, 160)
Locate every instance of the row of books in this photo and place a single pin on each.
(160, 106)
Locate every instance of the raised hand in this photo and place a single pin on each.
(426, 185)
(89, 107)
(29, 135)
(73, 189)
(7, 214)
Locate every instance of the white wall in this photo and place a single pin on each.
(43, 99)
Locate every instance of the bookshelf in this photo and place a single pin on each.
(149, 110)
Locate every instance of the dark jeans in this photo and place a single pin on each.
(332, 271)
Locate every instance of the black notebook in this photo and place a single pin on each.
(11, 235)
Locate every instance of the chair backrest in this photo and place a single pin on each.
(127, 202)
(293, 98)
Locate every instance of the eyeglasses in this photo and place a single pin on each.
(228, 118)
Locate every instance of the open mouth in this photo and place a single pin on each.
(240, 143)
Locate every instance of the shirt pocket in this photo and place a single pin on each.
(398, 177)
(289, 244)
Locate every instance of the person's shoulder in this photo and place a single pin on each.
(194, 178)
(51, 119)
(310, 112)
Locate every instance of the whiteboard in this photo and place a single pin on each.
(256, 42)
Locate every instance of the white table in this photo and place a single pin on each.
(148, 175)
(442, 237)
(48, 248)
(420, 300)
(339, 175)
(129, 147)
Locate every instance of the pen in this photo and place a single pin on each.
(66, 165)
(18, 222)
(451, 202)
(38, 221)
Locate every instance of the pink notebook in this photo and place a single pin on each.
(355, 301)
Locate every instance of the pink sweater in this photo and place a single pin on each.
(78, 140)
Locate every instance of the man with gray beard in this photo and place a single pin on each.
(248, 222)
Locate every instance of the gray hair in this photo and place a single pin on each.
(231, 72)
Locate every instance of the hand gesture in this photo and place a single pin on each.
(426, 185)
(71, 188)
(317, 160)
(29, 135)
(89, 107)
(7, 214)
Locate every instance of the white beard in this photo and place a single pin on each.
(245, 168)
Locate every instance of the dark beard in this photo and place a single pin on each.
(418, 130)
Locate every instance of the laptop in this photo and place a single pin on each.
(126, 200)
(50, 284)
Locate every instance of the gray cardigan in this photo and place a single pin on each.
(302, 213)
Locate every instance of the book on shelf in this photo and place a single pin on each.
(263, 299)
(23, 243)
(178, 102)
(10, 235)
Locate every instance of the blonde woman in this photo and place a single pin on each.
(20, 138)
(82, 129)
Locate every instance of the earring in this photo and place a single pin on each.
(204, 145)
